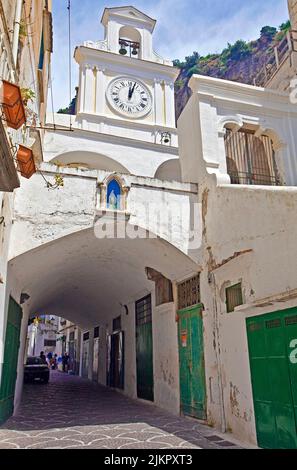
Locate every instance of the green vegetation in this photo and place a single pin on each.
(241, 54)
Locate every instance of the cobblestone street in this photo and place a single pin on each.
(72, 413)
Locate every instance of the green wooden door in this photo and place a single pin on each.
(191, 362)
(11, 350)
(272, 343)
(144, 349)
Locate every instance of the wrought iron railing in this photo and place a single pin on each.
(251, 159)
(281, 52)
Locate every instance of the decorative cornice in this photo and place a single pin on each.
(84, 54)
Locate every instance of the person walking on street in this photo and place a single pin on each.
(43, 358)
(65, 362)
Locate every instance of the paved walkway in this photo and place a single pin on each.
(74, 413)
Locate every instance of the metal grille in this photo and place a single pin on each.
(273, 324)
(189, 293)
(291, 320)
(250, 159)
(117, 324)
(234, 297)
(255, 327)
(144, 311)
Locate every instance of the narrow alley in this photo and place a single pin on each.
(73, 413)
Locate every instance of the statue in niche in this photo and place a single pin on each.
(112, 201)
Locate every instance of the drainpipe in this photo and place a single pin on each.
(16, 30)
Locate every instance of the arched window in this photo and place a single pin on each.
(113, 195)
(130, 42)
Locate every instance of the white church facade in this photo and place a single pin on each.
(172, 247)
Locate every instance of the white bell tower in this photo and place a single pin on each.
(129, 23)
(126, 89)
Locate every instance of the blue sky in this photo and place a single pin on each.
(183, 26)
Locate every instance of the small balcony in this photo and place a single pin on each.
(251, 159)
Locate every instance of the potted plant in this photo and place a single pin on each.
(27, 95)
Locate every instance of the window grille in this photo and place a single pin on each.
(291, 320)
(234, 297)
(250, 159)
(255, 327)
(144, 311)
(189, 293)
(273, 324)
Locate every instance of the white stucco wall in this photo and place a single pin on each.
(166, 359)
(216, 103)
(264, 224)
(249, 235)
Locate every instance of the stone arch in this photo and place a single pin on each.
(233, 122)
(89, 160)
(169, 171)
(90, 291)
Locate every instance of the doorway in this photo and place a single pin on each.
(85, 355)
(116, 362)
(144, 349)
(272, 341)
(191, 362)
(96, 354)
(11, 350)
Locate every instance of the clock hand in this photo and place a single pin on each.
(132, 91)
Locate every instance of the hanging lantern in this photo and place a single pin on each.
(26, 162)
(123, 49)
(12, 105)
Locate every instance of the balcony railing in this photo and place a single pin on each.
(251, 159)
(281, 52)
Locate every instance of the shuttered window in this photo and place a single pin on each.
(234, 297)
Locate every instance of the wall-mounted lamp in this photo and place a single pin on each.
(165, 138)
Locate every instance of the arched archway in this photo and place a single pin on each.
(87, 280)
(89, 160)
(169, 171)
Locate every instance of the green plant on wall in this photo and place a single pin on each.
(23, 29)
(27, 95)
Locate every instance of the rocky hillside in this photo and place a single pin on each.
(240, 62)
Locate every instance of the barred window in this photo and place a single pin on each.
(189, 293)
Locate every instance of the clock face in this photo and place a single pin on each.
(129, 97)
